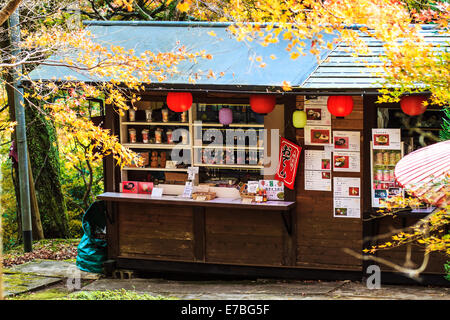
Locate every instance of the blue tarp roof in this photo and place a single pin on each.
(338, 70)
(236, 59)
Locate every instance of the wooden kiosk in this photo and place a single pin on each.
(301, 236)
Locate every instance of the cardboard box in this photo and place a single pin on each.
(129, 186)
(145, 187)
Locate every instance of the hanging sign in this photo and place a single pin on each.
(288, 162)
(386, 139)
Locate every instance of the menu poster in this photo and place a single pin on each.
(346, 187)
(346, 140)
(317, 160)
(347, 208)
(317, 114)
(346, 161)
(317, 135)
(389, 139)
(318, 180)
(274, 189)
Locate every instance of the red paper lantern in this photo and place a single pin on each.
(262, 103)
(179, 101)
(413, 105)
(340, 106)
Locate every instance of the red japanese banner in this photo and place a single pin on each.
(288, 162)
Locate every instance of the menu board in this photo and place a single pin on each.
(346, 140)
(317, 135)
(347, 208)
(347, 197)
(318, 180)
(346, 161)
(387, 139)
(346, 187)
(317, 160)
(317, 112)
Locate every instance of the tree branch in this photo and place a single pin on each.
(8, 10)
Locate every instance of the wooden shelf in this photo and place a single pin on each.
(156, 146)
(156, 169)
(225, 166)
(225, 147)
(186, 124)
(233, 125)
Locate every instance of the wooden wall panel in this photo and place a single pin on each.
(398, 255)
(320, 236)
(155, 232)
(246, 237)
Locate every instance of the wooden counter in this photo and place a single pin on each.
(220, 231)
(180, 201)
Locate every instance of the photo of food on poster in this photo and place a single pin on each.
(346, 140)
(346, 187)
(274, 189)
(317, 114)
(317, 180)
(389, 139)
(346, 161)
(347, 208)
(317, 135)
(317, 160)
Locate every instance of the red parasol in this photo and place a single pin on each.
(425, 173)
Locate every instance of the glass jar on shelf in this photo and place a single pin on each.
(132, 135)
(392, 158)
(131, 115)
(385, 158)
(145, 135)
(158, 135)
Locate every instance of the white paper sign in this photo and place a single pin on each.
(187, 193)
(346, 161)
(274, 189)
(317, 135)
(252, 186)
(317, 160)
(346, 140)
(318, 180)
(347, 208)
(157, 193)
(317, 112)
(389, 139)
(346, 187)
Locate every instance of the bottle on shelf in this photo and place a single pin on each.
(132, 135)
(131, 115)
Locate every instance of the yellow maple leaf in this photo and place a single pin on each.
(183, 6)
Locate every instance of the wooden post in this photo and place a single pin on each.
(38, 232)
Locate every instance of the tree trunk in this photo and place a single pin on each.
(44, 156)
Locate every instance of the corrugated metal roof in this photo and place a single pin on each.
(342, 69)
(338, 70)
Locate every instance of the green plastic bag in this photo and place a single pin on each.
(92, 247)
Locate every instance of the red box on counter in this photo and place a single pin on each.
(145, 187)
(130, 187)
